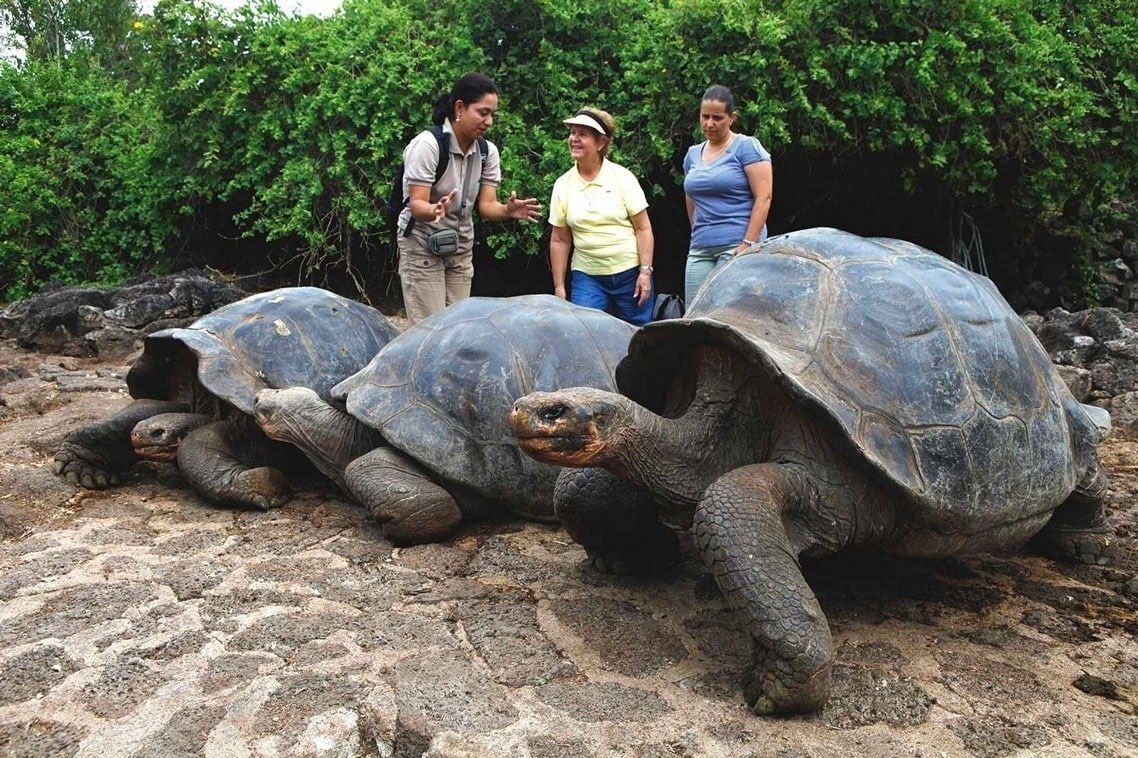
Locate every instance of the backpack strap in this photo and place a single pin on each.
(443, 141)
(444, 151)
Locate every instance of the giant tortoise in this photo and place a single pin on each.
(424, 441)
(825, 390)
(195, 388)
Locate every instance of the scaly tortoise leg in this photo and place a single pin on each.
(616, 522)
(741, 532)
(210, 462)
(94, 456)
(1078, 530)
(412, 508)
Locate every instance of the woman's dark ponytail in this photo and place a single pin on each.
(442, 109)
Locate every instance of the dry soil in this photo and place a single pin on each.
(142, 621)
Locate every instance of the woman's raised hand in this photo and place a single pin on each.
(527, 209)
(444, 203)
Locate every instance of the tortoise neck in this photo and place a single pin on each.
(711, 424)
(669, 464)
(673, 458)
(329, 437)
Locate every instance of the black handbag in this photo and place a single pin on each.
(667, 306)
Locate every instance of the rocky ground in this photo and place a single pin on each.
(140, 621)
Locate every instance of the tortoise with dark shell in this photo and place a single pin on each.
(420, 436)
(824, 390)
(194, 389)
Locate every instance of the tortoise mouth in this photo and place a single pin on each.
(562, 449)
(565, 442)
(160, 453)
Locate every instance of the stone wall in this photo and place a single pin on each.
(1116, 267)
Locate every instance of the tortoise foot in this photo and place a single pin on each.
(654, 556)
(778, 690)
(1093, 546)
(71, 464)
(262, 488)
(430, 517)
(411, 507)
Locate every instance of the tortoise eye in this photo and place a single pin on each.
(552, 412)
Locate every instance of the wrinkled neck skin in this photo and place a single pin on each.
(710, 425)
(664, 456)
(331, 439)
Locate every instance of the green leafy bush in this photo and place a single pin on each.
(1015, 120)
(1001, 108)
(81, 203)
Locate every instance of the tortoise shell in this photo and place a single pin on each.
(920, 365)
(443, 390)
(290, 337)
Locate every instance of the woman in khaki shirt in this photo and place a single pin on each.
(436, 228)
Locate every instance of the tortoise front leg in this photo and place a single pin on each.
(615, 521)
(208, 459)
(94, 456)
(741, 530)
(411, 507)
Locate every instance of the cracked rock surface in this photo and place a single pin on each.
(142, 622)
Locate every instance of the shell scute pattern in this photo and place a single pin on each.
(921, 365)
(442, 392)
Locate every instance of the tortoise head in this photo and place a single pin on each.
(579, 426)
(158, 438)
(289, 415)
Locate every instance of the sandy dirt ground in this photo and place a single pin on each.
(141, 621)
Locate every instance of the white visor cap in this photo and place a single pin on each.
(584, 119)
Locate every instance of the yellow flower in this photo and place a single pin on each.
(139, 25)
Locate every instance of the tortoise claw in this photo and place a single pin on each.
(82, 473)
(1091, 546)
(269, 502)
(771, 691)
(264, 488)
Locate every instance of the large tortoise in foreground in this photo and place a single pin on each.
(195, 388)
(825, 390)
(424, 442)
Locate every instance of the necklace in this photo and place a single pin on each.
(708, 157)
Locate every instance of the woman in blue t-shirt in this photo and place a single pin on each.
(728, 182)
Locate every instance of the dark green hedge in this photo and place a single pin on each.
(277, 136)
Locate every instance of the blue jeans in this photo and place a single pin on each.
(614, 293)
(701, 262)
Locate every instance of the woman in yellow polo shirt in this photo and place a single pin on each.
(599, 214)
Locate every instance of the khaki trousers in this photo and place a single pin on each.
(431, 282)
